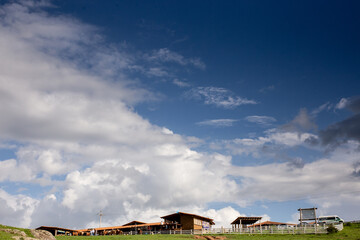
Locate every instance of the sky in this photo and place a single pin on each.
(140, 109)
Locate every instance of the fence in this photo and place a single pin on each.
(309, 229)
(312, 229)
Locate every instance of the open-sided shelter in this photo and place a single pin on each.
(239, 222)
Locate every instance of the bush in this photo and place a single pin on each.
(348, 224)
(331, 229)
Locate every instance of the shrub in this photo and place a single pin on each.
(348, 224)
(331, 229)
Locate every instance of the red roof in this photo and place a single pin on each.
(123, 227)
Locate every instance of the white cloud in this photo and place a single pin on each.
(325, 106)
(16, 209)
(76, 133)
(273, 137)
(10, 170)
(218, 122)
(342, 103)
(326, 178)
(181, 83)
(219, 97)
(222, 217)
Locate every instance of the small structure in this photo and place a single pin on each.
(187, 221)
(58, 231)
(239, 222)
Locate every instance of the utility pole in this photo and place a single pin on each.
(100, 214)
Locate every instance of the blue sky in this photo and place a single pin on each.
(143, 108)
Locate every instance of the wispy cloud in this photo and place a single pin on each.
(325, 106)
(157, 72)
(219, 97)
(166, 55)
(181, 83)
(218, 122)
(261, 120)
(267, 89)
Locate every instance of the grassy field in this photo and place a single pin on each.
(350, 232)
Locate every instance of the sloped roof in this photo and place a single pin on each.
(134, 223)
(246, 220)
(123, 227)
(55, 228)
(174, 215)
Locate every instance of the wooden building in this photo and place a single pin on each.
(188, 221)
(173, 222)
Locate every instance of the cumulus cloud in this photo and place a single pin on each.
(218, 122)
(219, 97)
(67, 109)
(17, 209)
(74, 130)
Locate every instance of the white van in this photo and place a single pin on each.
(333, 219)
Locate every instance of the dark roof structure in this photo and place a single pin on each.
(53, 230)
(176, 217)
(246, 220)
(134, 223)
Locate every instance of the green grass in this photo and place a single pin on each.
(349, 233)
(4, 235)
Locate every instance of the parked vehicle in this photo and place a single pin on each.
(332, 219)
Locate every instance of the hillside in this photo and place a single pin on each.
(7, 232)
